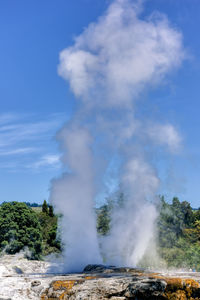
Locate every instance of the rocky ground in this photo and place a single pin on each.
(18, 277)
(101, 283)
(22, 280)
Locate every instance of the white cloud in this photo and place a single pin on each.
(113, 59)
(50, 160)
(165, 135)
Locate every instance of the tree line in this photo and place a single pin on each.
(178, 230)
(36, 228)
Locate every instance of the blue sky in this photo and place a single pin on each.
(35, 101)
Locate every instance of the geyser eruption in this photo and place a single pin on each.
(133, 224)
(109, 66)
(74, 195)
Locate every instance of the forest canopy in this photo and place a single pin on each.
(22, 227)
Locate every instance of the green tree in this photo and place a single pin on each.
(174, 219)
(50, 240)
(19, 228)
(197, 215)
(188, 214)
(179, 234)
(103, 219)
(51, 212)
(45, 207)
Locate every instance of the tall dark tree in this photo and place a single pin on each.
(45, 207)
(51, 212)
(188, 214)
(50, 236)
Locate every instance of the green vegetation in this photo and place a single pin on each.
(48, 222)
(103, 219)
(179, 234)
(51, 213)
(45, 207)
(19, 228)
(105, 211)
(36, 228)
(178, 231)
(24, 227)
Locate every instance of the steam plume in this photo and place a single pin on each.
(109, 66)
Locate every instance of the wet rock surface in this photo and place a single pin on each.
(23, 280)
(102, 282)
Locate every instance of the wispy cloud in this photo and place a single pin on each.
(27, 140)
(8, 117)
(50, 160)
(18, 151)
(14, 133)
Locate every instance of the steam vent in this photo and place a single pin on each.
(100, 282)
